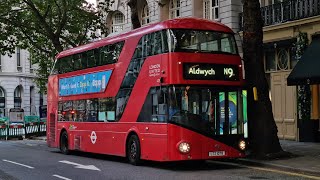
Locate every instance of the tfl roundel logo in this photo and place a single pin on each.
(93, 137)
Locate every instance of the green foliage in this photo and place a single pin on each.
(304, 93)
(48, 27)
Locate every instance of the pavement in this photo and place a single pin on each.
(305, 158)
(42, 138)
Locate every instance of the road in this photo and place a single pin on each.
(32, 159)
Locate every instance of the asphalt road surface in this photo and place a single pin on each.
(32, 159)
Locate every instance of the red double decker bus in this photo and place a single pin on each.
(156, 93)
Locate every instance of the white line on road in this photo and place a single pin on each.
(271, 170)
(80, 166)
(61, 177)
(30, 167)
(284, 172)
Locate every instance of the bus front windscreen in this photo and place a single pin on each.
(203, 109)
(185, 40)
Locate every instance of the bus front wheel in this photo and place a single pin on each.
(64, 147)
(133, 150)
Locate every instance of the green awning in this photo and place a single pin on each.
(307, 70)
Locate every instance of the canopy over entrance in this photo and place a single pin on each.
(307, 70)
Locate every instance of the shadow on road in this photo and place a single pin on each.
(173, 166)
(96, 156)
(191, 165)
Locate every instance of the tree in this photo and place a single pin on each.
(133, 4)
(46, 28)
(263, 138)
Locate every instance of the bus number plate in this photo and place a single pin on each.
(217, 153)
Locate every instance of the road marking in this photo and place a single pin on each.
(61, 177)
(271, 170)
(284, 172)
(80, 166)
(18, 164)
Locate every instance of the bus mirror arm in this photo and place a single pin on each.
(160, 97)
(160, 93)
(161, 80)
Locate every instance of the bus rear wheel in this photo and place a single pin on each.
(64, 145)
(133, 150)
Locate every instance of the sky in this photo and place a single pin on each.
(92, 1)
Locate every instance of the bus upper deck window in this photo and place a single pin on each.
(186, 40)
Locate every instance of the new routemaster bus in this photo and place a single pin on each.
(156, 93)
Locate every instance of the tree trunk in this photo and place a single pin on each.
(263, 137)
(134, 14)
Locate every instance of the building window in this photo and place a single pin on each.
(33, 110)
(2, 103)
(17, 97)
(18, 57)
(278, 60)
(269, 2)
(145, 17)
(174, 9)
(30, 66)
(270, 60)
(206, 9)
(211, 9)
(283, 59)
(19, 68)
(41, 99)
(117, 22)
(277, 1)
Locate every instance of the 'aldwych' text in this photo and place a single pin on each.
(200, 71)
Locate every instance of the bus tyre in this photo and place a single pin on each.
(64, 145)
(133, 150)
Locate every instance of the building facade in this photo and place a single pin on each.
(283, 21)
(152, 11)
(17, 86)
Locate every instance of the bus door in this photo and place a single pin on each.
(226, 112)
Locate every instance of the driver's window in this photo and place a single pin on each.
(194, 99)
(205, 104)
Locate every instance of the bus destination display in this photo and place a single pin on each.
(204, 71)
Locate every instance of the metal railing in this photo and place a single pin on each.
(31, 126)
(289, 10)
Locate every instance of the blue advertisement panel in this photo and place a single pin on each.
(84, 84)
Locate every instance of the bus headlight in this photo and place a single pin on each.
(184, 147)
(242, 145)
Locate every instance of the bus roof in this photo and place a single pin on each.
(179, 23)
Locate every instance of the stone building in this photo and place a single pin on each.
(283, 21)
(151, 11)
(17, 88)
